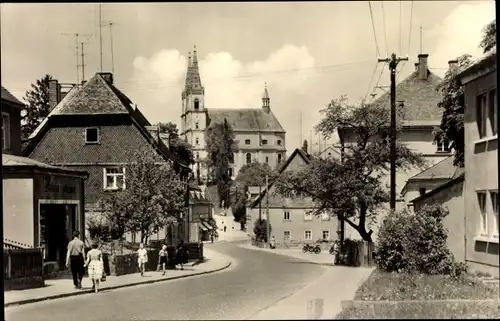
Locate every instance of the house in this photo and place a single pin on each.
(472, 196)
(332, 152)
(291, 220)
(42, 204)
(259, 134)
(96, 128)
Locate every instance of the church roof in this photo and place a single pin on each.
(246, 119)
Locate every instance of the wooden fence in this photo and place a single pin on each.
(23, 268)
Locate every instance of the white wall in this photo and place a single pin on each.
(18, 210)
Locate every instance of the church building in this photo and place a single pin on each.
(259, 134)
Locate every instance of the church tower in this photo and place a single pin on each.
(194, 116)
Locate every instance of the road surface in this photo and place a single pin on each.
(256, 281)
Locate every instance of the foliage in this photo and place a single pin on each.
(260, 230)
(489, 40)
(178, 146)
(416, 242)
(153, 196)
(253, 174)
(37, 107)
(452, 103)
(305, 146)
(354, 188)
(219, 139)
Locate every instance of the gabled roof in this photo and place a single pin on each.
(298, 152)
(19, 161)
(420, 98)
(460, 177)
(488, 59)
(246, 119)
(6, 95)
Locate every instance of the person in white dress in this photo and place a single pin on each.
(142, 258)
(95, 266)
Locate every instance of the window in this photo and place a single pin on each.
(249, 158)
(197, 156)
(287, 235)
(325, 217)
(231, 158)
(308, 216)
(279, 142)
(114, 178)
(267, 160)
(443, 146)
(247, 141)
(286, 215)
(326, 235)
(421, 191)
(481, 115)
(481, 199)
(5, 131)
(279, 158)
(230, 172)
(197, 141)
(308, 235)
(91, 135)
(196, 125)
(264, 142)
(494, 206)
(196, 104)
(493, 111)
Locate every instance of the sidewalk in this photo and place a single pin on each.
(64, 287)
(324, 258)
(321, 299)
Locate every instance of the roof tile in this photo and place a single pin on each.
(9, 97)
(252, 119)
(441, 170)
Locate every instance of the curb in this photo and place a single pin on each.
(65, 295)
(287, 255)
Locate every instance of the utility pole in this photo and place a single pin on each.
(110, 24)
(100, 33)
(260, 203)
(301, 126)
(268, 239)
(83, 63)
(393, 63)
(311, 141)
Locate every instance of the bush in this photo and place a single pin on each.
(260, 230)
(416, 243)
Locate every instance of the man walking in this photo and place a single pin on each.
(75, 258)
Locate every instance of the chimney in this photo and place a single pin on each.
(416, 66)
(107, 76)
(423, 72)
(84, 82)
(453, 65)
(54, 93)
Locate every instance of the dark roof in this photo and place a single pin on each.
(448, 184)
(420, 98)
(488, 59)
(19, 161)
(6, 95)
(297, 151)
(246, 119)
(443, 169)
(198, 197)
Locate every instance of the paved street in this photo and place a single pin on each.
(255, 281)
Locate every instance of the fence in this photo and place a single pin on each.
(23, 268)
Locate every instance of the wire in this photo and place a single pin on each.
(379, 77)
(370, 82)
(411, 20)
(400, 22)
(373, 26)
(385, 33)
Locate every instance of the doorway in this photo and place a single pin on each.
(57, 223)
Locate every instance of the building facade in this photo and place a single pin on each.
(291, 220)
(11, 123)
(259, 135)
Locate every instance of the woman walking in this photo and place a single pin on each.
(142, 258)
(95, 266)
(182, 254)
(163, 258)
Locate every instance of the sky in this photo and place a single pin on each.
(307, 52)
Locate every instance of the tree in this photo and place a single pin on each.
(304, 146)
(153, 196)
(178, 147)
(219, 139)
(489, 40)
(260, 230)
(253, 174)
(452, 103)
(37, 107)
(355, 188)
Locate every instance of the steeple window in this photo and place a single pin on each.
(196, 104)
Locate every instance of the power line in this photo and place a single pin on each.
(411, 22)
(400, 22)
(385, 33)
(373, 27)
(379, 77)
(370, 82)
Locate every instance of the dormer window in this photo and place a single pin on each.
(196, 104)
(443, 146)
(279, 142)
(92, 135)
(196, 126)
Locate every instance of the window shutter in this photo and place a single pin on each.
(104, 179)
(124, 178)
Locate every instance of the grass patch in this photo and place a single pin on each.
(400, 286)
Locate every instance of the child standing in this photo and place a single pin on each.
(142, 258)
(163, 258)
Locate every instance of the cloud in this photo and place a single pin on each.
(157, 81)
(460, 32)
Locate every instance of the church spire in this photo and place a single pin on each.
(265, 99)
(193, 80)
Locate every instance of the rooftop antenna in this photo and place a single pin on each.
(110, 24)
(77, 37)
(421, 39)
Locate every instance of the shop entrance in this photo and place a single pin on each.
(57, 223)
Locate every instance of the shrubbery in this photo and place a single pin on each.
(416, 243)
(260, 230)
